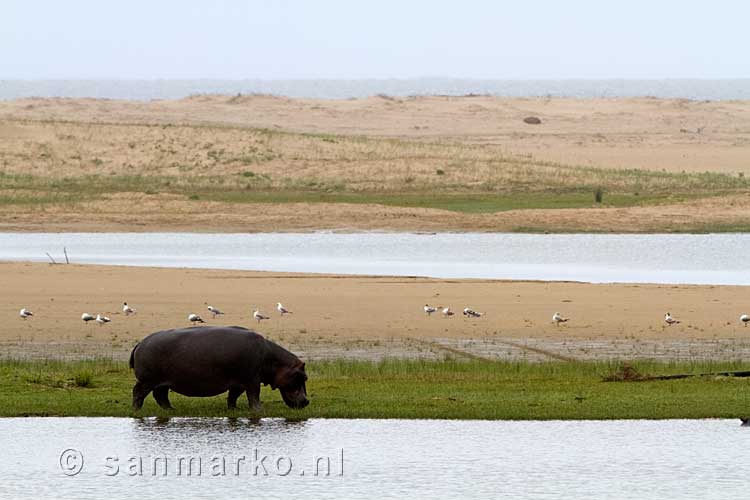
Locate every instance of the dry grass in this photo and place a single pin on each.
(70, 155)
(51, 156)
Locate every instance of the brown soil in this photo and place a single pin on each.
(138, 212)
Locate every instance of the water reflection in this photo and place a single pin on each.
(215, 424)
(275, 458)
(152, 435)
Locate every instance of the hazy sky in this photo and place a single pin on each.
(374, 39)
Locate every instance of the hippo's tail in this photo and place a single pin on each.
(132, 357)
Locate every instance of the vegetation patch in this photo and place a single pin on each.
(256, 165)
(447, 389)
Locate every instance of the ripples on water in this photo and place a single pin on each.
(664, 459)
(719, 259)
(343, 89)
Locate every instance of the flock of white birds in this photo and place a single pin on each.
(557, 318)
(193, 318)
(257, 315)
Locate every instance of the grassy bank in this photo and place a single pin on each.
(402, 389)
(75, 163)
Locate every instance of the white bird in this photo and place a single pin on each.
(25, 313)
(474, 314)
(258, 316)
(215, 312)
(282, 310)
(670, 320)
(745, 318)
(102, 319)
(127, 309)
(194, 318)
(428, 309)
(447, 312)
(557, 318)
(86, 317)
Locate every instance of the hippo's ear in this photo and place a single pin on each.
(303, 366)
(283, 376)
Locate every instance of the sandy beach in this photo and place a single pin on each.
(370, 317)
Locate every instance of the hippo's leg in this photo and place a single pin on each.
(253, 395)
(140, 391)
(234, 393)
(161, 395)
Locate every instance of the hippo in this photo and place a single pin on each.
(209, 360)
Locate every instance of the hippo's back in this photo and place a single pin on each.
(199, 360)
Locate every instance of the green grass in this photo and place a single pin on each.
(30, 190)
(447, 389)
(457, 202)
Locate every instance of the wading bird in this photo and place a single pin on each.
(127, 310)
(282, 310)
(215, 312)
(194, 318)
(470, 313)
(25, 313)
(428, 309)
(745, 318)
(102, 319)
(447, 312)
(258, 316)
(86, 317)
(557, 318)
(670, 320)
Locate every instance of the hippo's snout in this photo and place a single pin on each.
(296, 399)
(299, 405)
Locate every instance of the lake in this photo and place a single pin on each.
(124, 458)
(720, 259)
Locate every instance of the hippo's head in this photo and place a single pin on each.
(291, 384)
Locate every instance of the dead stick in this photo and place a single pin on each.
(65, 251)
(652, 378)
(50, 258)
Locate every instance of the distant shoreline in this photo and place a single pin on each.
(158, 89)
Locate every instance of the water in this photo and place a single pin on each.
(639, 459)
(720, 259)
(344, 89)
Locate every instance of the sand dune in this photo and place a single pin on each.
(671, 134)
(260, 163)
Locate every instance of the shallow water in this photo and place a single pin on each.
(681, 459)
(720, 259)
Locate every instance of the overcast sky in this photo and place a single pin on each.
(283, 39)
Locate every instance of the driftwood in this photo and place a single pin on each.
(627, 373)
(52, 259)
(739, 373)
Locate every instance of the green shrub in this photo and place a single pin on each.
(83, 379)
